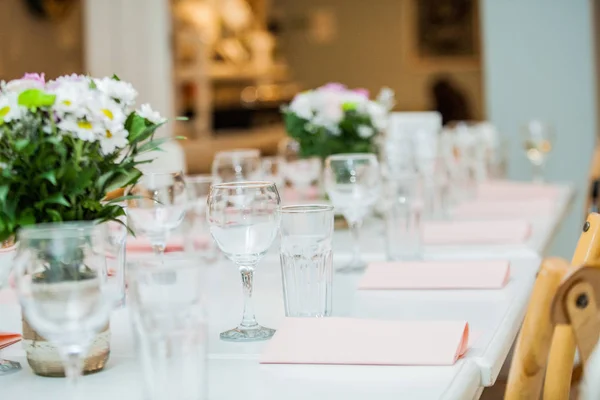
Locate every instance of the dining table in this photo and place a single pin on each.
(494, 317)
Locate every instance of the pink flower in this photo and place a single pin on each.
(39, 78)
(334, 87)
(362, 91)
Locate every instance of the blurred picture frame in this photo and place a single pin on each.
(444, 35)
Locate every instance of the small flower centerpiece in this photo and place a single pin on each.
(64, 145)
(333, 119)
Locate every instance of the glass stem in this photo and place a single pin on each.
(248, 318)
(355, 232)
(538, 173)
(73, 365)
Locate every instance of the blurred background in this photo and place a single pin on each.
(229, 65)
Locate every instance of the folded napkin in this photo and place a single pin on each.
(292, 194)
(366, 342)
(436, 275)
(143, 245)
(475, 232)
(6, 339)
(503, 190)
(504, 209)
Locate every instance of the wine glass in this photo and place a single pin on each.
(538, 139)
(159, 207)
(272, 170)
(61, 276)
(6, 263)
(353, 183)
(302, 173)
(244, 219)
(236, 165)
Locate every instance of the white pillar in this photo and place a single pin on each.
(132, 38)
(539, 62)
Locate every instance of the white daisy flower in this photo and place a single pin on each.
(302, 105)
(70, 99)
(387, 98)
(81, 128)
(120, 91)
(107, 110)
(378, 115)
(365, 131)
(113, 139)
(148, 113)
(10, 110)
(29, 81)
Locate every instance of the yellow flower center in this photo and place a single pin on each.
(109, 134)
(67, 102)
(4, 111)
(108, 114)
(84, 125)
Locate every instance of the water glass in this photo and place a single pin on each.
(244, 218)
(306, 260)
(160, 203)
(116, 250)
(170, 325)
(62, 287)
(272, 170)
(303, 173)
(6, 262)
(402, 218)
(353, 183)
(538, 139)
(196, 231)
(236, 165)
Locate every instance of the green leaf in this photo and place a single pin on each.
(182, 119)
(57, 198)
(54, 215)
(136, 126)
(153, 145)
(123, 198)
(49, 176)
(115, 78)
(3, 193)
(21, 144)
(123, 179)
(34, 98)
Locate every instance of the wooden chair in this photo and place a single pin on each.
(562, 316)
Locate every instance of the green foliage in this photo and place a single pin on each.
(319, 142)
(47, 176)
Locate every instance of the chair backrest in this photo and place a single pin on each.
(542, 348)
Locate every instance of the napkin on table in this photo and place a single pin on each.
(436, 275)
(476, 232)
(366, 342)
(513, 190)
(504, 209)
(174, 244)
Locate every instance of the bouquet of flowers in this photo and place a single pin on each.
(65, 144)
(334, 119)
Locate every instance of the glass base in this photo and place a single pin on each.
(240, 334)
(9, 367)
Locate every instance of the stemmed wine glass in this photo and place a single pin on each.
(538, 139)
(302, 173)
(272, 169)
(61, 276)
(244, 219)
(197, 236)
(236, 165)
(353, 183)
(159, 206)
(6, 263)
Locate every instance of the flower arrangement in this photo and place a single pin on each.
(333, 119)
(65, 144)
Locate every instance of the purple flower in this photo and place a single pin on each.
(334, 87)
(40, 78)
(362, 91)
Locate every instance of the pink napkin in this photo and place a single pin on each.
(475, 232)
(436, 275)
(142, 245)
(366, 342)
(292, 194)
(6, 339)
(502, 190)
(504, 209)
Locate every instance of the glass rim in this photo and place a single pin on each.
(237, 153)
(242, 184)
(306, 208)
(69, 229)
(347, 156)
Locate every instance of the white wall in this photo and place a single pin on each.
(539, 62)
